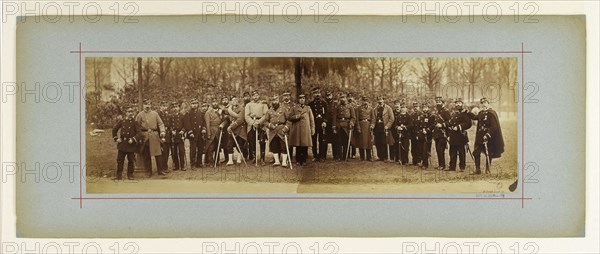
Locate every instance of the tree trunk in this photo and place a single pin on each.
(139, 63)
(298, 76)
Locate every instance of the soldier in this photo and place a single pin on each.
(331, 138)
(302, 130)
(426, 127)
(254, 112)
(195, 126)
(344, 120)
(364, 116)
(319, 110)
(457, 128)
(287, 106)
(415, 144)
(163, 113)
(238, 124)
(402, 126)
(488, 138)
(214, 128)
(176, 137)
(381, 124)
(442, 117)
(275, 121)
(354, 104)
(226, 139)
(127, 142)
(153, 133)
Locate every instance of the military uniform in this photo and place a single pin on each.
(384, 118)
(442, 116)
(457, 127)
(329, 135)
(402, 126)
(165, 146)
(365, 116)
(415, 144)
(127, 144)
(344, 121)
(354, 104)
(488, 134)
(215, 122)
(254, 112)
(275, 120)
(194, 124)
(287, 106)
(319, 141)
(175, 137)
(425, 134)
(153, 132)
(302, 130)
(238, 128)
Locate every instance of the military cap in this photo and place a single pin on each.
(129, 108)
(225, 96)
(246, 94)
(302, 96)
(484, 99)
(147, 101)
(173, 104)
(194, 100)
(342, 95)
(425, 104)
(398, 101)
(364, 97)
(164, 103)
(316, 90)
(439, 98)
(415, 104)
(403, 105)
(327, 93)
(204, 104)
(255, 92)
(458, 100)
(286, 94)
(274, 98)
(379, 97)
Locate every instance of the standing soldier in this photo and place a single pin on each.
(426, 127)
(163, 113)
(344, 120)
(254, 112)
(127, 142)
(196, 132)
(415, 144)
(319, 110)
(275, 121)
(364, 116)
(227, 142)
(176, 136)
(238, 125)
(303, 128)
(331, 138)
(442, 117)
(214, 128)
(381, 124)
(402, 126)
(153, 130)
(287, 106)
(354, 104)
(488, 138)
(458, 125)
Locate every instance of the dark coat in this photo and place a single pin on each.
(442, 117)
(238, 121)
(489, 125)
(343, 117)
(426, 126)
(175, 123)
(194, 123)
(462, 121)
(319, 110)
(303, 125)
(130, 130)
(404, 121)
(277, 124)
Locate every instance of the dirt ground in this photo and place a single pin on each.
(354, 176)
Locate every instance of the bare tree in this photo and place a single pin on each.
(471, 72)
(429, 72)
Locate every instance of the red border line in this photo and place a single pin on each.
(522, 126)
(287, 198)
(80, 145)
(299, 52)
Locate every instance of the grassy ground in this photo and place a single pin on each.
(101, 165)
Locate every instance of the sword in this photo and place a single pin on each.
(238, 147)
(348, 147)
(256, 145)
(287, 147)
(387, 147)
(487, 158)
(218, 147)
(469, 150)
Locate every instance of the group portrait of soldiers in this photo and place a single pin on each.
(227, 130)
